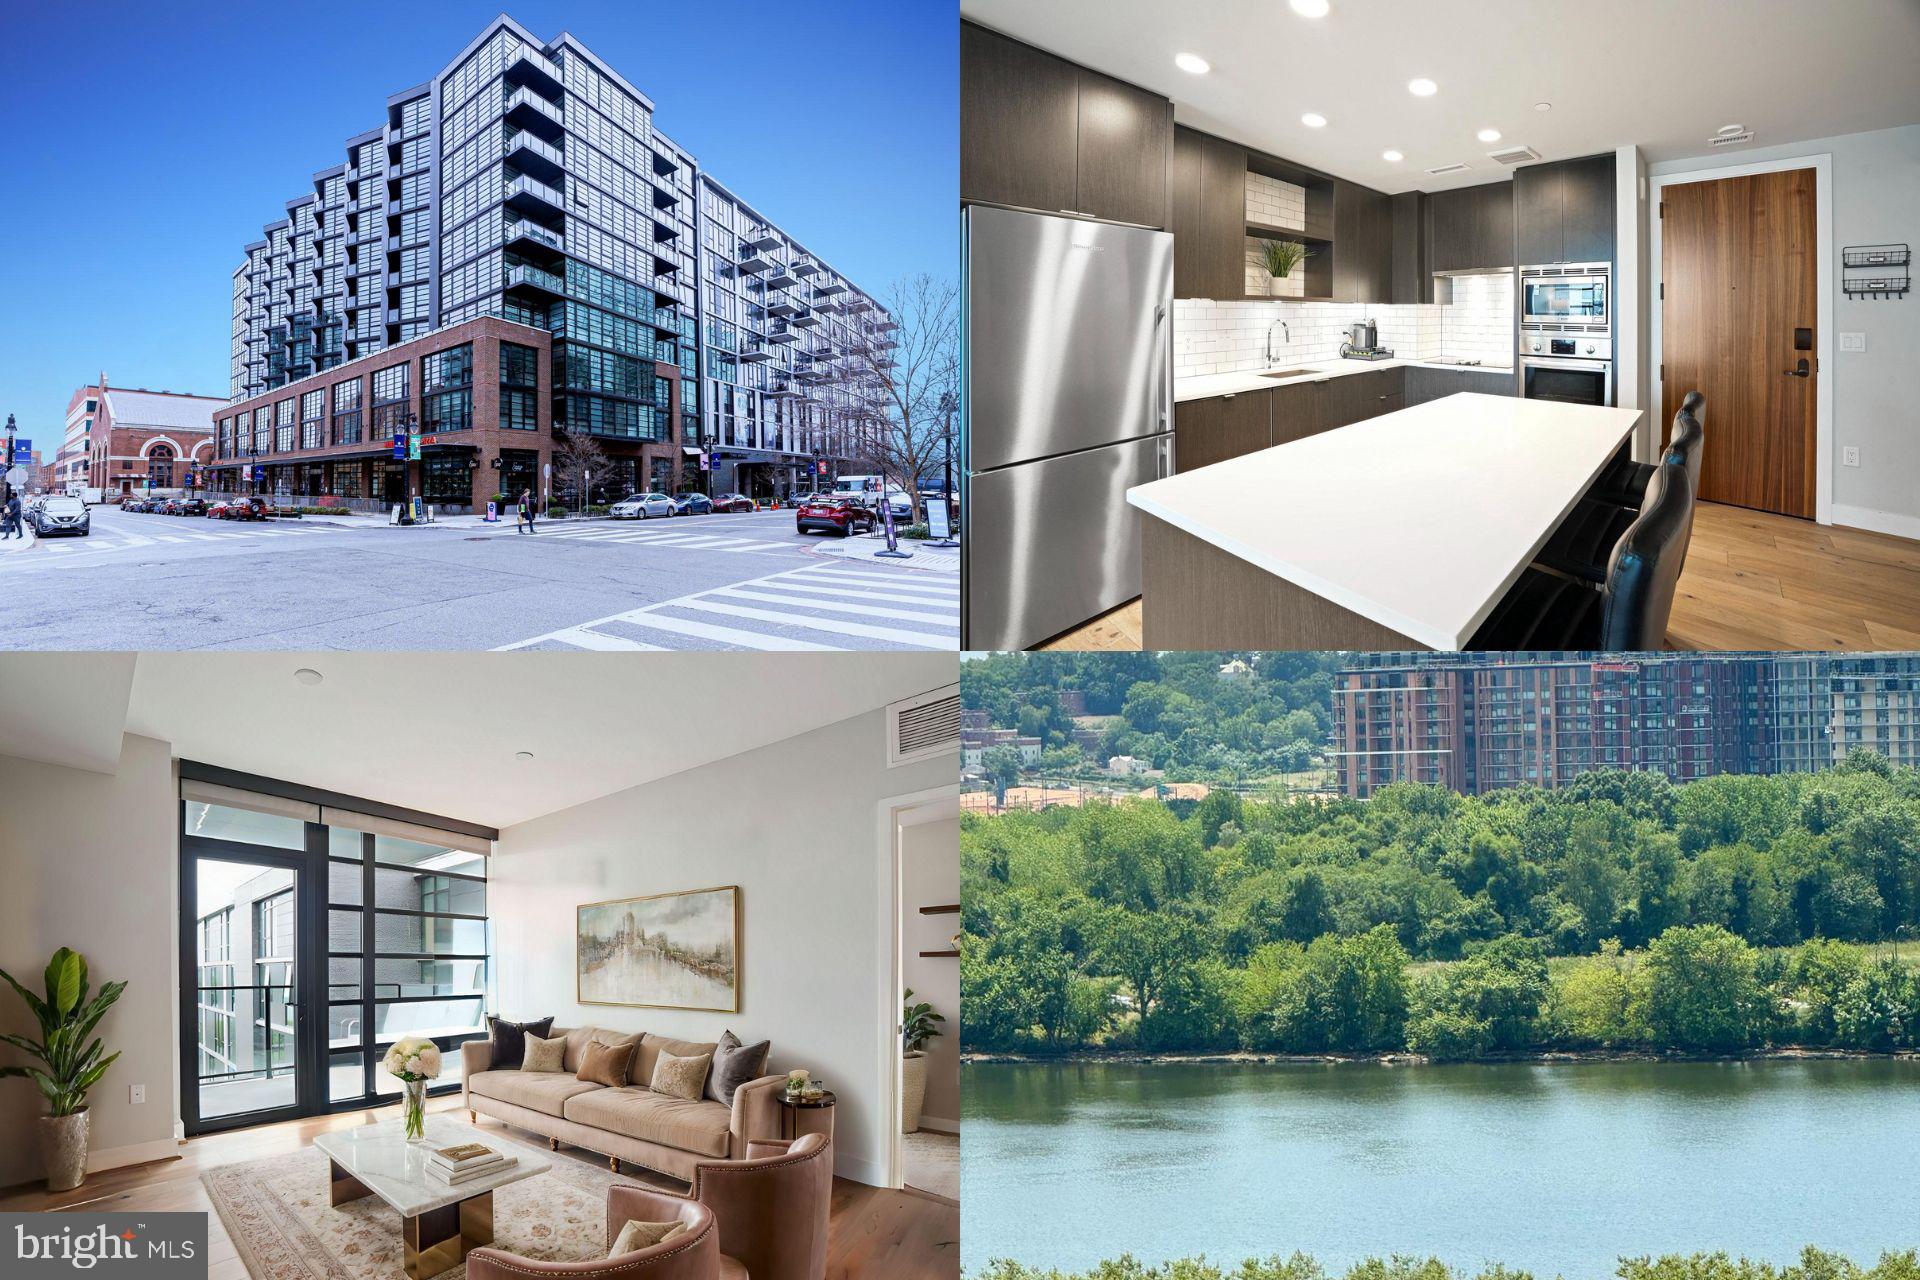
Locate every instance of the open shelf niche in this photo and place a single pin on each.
(1271, 208)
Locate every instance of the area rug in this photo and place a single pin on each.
(932, 1162)
(276, 1210)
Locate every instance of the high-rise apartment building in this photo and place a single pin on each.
(525, 181)
(1481, 722)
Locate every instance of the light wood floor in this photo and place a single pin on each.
(875, 1234)
(1753, 580)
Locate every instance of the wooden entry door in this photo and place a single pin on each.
(1738, 269)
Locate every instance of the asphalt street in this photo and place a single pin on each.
(704, 582)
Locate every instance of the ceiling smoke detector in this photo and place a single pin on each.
(1727, 129)
(1513, 155)
(523, 755)
(307, 675)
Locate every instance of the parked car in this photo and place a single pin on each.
(834, 515)
(692, 504)
(217, 508)
(642, 506)
(735, 502)
(58, 513)
(188, 507)
(251, 507)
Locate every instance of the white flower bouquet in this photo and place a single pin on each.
(416, 1062)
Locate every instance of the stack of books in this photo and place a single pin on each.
(466, 1161)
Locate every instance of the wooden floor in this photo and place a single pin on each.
(1753, 580)
(874, 1234)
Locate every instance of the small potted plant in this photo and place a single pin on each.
(1280, 257)
(918, 1025)
(70, 1066)
(415, 1062)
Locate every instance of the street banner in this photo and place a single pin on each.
(413, 448)
(399, 448)
(23, 451)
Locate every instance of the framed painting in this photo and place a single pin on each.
(667, 951)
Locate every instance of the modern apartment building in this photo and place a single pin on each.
(525, 181)
(1481, 722)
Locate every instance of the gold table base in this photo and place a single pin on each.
(436, 1239)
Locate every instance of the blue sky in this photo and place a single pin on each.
(148, 142)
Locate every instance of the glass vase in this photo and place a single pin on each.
(416, 1110)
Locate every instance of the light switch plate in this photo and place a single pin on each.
(136, 1093)
(1853, 342)
(1850, 456)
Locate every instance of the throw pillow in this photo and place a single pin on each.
(681, 1077)
(605, 1064)
(544, 1055)
(734, 1064)
(509, 1040)
(644, 1235)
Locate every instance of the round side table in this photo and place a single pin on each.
(792, 1105)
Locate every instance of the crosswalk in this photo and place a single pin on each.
(822, 607)
(103, 542)
(644, 536)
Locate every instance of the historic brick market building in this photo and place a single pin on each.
(125, 441)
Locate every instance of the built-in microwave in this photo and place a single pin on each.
(1568, 297)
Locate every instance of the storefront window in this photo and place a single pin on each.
(444, 478)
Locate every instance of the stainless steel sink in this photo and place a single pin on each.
(1289, 373)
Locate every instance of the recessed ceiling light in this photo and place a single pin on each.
(1309, 8)
(1193, 63)
(1422, 88)
(1488, 135)
(1543, 106)
(1314, 120)
(1392, 157)
(307, 675)
(523, 755)
(1728, 130)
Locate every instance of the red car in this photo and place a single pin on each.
(734, 502)
(835, 515)
(248, 508)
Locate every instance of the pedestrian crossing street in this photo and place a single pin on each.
(647, 534)
(821, 607)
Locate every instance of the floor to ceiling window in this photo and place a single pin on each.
(371, 918)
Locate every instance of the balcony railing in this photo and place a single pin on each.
(535, 199)
(537, 234)
(528, 110)
(523, 276)
(530, 155)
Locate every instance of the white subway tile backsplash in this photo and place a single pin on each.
(1228, 337)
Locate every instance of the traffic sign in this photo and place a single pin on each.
(16, 475)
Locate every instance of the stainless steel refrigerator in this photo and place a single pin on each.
(1067, 402)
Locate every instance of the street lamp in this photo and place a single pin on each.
(6, 463)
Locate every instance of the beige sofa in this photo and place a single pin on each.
(631, 1123)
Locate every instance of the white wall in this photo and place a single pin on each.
(1876, 199)
(89, 861)
(1632, 341)
(796, 825)
(930, 876)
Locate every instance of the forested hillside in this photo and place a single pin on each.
(1301, 926)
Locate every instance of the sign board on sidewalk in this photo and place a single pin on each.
(493, 511)
(938, 524)
(23, 451)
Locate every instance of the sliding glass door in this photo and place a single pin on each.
(311, 939)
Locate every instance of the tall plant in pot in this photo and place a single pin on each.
(918, 1025)
(68, 1064)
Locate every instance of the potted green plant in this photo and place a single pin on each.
(69, 1065)
(918, 1024)
(1280, 257)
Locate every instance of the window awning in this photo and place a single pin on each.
(689, 450)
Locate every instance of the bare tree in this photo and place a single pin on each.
(576, 458)
(895, 389)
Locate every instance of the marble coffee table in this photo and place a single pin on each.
(439, 1221)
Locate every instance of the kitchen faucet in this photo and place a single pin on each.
(1289, 339)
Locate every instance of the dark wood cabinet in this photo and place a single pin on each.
(1019, 123)
(1357, 397)
(1183, 219)
(1039, 132)
(1563, 212)
(1296, 411)
(1223, 220)
(1221, 427)
(1435, 384)
(1362, 244)
(1470, 228)
(1125, 135)
(1412, 272)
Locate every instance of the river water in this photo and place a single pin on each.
(1554, 1168)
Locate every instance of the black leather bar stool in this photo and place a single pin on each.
(1630, 609)
(1581, 545)
(1625, 482)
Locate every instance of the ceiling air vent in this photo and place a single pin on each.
(1729, 139)
(923, 727)
(1513, 155)
(1448, 168)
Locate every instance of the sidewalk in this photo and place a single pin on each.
(938, 559)
(8, 546)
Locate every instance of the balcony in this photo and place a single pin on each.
(528, 110)
(830, 288)
(536, 158)
(755, 356)
(753, 262)
(780, 337)
(805, 267)
(535, 280)
(806, 319)
(533, 199)
(532, 69)
(526, 235)
(781, 278)
(783, 310)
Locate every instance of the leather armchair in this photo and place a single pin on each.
(692, 1255)
(772, 1207)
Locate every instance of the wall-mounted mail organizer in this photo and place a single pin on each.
(1876, 270)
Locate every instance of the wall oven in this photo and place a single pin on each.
(1567, 297)
(1568, 381)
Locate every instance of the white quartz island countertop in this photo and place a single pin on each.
(1418, 520)
(1202, 385)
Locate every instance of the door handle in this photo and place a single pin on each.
(1802, 371)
